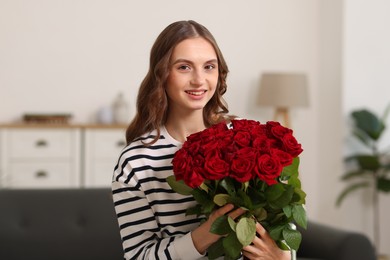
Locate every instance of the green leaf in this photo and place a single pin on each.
(246, 230)
(295, 181)
(350, 189)
(228, 185)
(260, 214)
(204, 187)
(232, 224)
(179, 186)
(299, 215)
(368, 162)
(232, 246)
(245, 200)
(273, 192)
(284, 199)
(292, 237)
(276, 232)
(220, 226)
(291, 169)
(216, 250)
(383, 184)
(368, 123)
(221, 199)
(287, 210)
(362, 137)
(204, 200)
(299, 196)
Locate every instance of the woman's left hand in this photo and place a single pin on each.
(264, 247)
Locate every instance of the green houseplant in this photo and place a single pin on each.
(371, 167)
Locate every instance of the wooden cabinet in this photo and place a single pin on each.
(101, 151)
(69, 156)
(34, 157)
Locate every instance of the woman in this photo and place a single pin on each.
(180, 95)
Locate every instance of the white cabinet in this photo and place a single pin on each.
(40, 158)
(102, 147)
(68, 156)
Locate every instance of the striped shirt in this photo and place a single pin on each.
(151, 216)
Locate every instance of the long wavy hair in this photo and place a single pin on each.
(152, 100)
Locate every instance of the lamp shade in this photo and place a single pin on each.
(283, 90)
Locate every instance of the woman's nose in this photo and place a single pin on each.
(197, 78)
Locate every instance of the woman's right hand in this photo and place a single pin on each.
(202, 237)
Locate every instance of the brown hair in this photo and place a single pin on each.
(152, 102)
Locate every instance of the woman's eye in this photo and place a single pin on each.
(184, 67)
(209, 67)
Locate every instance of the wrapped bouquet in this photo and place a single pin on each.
(251, 165)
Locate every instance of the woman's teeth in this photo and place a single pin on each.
(196, 93)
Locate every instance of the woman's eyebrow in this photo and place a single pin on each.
(191, 62)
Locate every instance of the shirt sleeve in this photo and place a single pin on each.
(141, 236)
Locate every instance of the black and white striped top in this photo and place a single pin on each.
(151, 215)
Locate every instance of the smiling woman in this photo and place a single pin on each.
(180, 95)
(191, 82)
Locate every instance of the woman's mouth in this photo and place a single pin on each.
(196, 93)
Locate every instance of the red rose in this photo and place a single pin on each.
(242, 164)
(277, 130)
(263, 144)
(244, 124)
(268, 169)
(291, 145)
(194, 177)
(215, 167)
(285, 159)
(192, 147)
(242, 138)
(181, 162)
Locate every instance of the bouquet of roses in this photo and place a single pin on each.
(248, 164)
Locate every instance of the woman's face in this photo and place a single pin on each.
(193, 75)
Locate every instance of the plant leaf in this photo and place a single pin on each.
(246, 230)
(232, 246)
(215, 250)
(289, 170)
(232, 224)
(369, 123)
(228, 185)
(350, 189)
(220, 226)
(204, 200)
(292, 237)
(368, 162)
(273, 192)
(179, 186)
(276, 232)
(383, 184)
(287, 210)
(284, 199)
(260, 214)
(221, 199)
(299, 215)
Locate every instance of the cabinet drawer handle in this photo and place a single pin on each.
(121, 143)
(41, 174)
(41, 143)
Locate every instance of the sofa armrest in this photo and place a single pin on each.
(324, 242)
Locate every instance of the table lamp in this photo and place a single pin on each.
(283, 91)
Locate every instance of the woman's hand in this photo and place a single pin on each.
(202, 237)
(264, 247)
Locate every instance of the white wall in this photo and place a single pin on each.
(75, 56)
(366, 63)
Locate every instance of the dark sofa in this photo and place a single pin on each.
(80, 224)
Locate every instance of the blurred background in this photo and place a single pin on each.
(75, 57)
